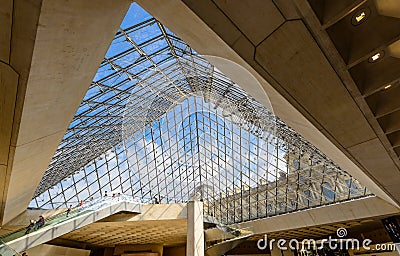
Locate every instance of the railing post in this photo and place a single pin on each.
(195, 229)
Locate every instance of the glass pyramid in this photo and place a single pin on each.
(162, 124)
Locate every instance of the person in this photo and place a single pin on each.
(69, 210)
(29, 227)
(156, 200)
(40, 222)
(105, 193)
(80, 206)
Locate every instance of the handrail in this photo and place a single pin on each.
(6, 250)
(88, 206)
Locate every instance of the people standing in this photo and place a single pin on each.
(69, 210)
(80, 206)
(42, 220)
(29, 227)
(39, 222)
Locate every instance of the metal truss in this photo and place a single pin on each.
(161, 123)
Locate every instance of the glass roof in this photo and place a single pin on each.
(159, 122)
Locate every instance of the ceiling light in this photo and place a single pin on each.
(360, 16)
(387, 86)
(376, 57)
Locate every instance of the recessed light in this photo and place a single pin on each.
(387, 86)
(360, 16)
(376, 57)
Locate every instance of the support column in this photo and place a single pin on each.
(195, 229)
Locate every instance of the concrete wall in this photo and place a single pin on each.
(18, 24)
(53, 250)
(54, 64)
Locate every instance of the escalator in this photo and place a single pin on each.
(59, 224)
(6, 250)
(231, 238)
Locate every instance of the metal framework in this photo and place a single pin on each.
(161, 123)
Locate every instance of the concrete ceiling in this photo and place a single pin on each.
(164, 224)
(109, 234)
(373, 86)
(313, 65)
